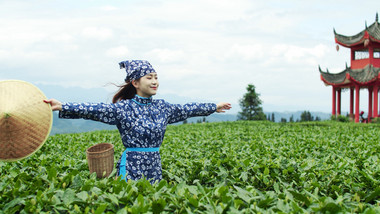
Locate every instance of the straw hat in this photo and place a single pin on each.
(25, 120)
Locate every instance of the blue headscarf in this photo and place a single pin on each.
(136, 69)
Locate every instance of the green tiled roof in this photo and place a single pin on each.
(334, 78)
(364, 75)
(373, 31)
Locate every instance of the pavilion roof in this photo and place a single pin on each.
(362, 76)
(372, 33)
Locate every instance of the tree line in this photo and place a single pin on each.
(251, 108)
(305, 116)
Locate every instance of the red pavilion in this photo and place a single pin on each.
(364, 71)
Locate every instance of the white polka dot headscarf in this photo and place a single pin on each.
(136, 69)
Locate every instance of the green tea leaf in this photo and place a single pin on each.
(265, 203)
(52, 173)
(159, 205)
(13, 203)
(82, 195)
(331, 208)
(112, 198)
(373, 195)
(193, 200)
(68, 197)
(243, 194)
(101, 208)
(300, 197)
(77, 182)
(266, 171)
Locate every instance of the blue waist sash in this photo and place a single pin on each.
(154, 149)
(123, 162)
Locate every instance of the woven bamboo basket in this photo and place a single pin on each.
(100, 159)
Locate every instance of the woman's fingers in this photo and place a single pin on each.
(223, 106)
(55, 104)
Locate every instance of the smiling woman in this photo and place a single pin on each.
(147, 85)
(141, 120)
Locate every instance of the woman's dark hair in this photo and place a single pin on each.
(126, 91)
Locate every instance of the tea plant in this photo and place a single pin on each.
(229, 167)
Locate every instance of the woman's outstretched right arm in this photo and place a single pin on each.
(106, 113)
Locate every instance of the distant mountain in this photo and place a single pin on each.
(61, 126)
(297, 115)
(211, 118)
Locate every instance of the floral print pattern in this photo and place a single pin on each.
(142, 124)
(136, 69)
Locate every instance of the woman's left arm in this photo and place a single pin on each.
(179, 113)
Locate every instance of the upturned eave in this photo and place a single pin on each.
(372, 33)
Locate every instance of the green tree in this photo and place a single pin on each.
(306, 116)
(291, 119)
(251, 105)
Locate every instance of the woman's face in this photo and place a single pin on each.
(147, 85)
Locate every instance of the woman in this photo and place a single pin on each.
(141, 120)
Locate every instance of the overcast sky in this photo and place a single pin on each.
(202, 50)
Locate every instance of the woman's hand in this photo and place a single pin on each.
(55, 104)
(220, 107)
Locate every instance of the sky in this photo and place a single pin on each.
(202, 50)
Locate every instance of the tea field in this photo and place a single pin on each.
(228, 167)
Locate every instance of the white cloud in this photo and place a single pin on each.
(64, 37)
(109, 8)
(4, 53)
(298, 54)
(70, 47)
(118, 52)
(320, 50)
(19, 34)
(25, 56)
(98, 33)
(246, 52)
(166, 55)
(206, 49)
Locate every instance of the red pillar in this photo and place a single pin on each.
(339, 100)
(333, 101)
(375, 100)
(369, 104)
(357, 89)
(352, 102)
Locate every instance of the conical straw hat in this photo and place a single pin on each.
(25, 120)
